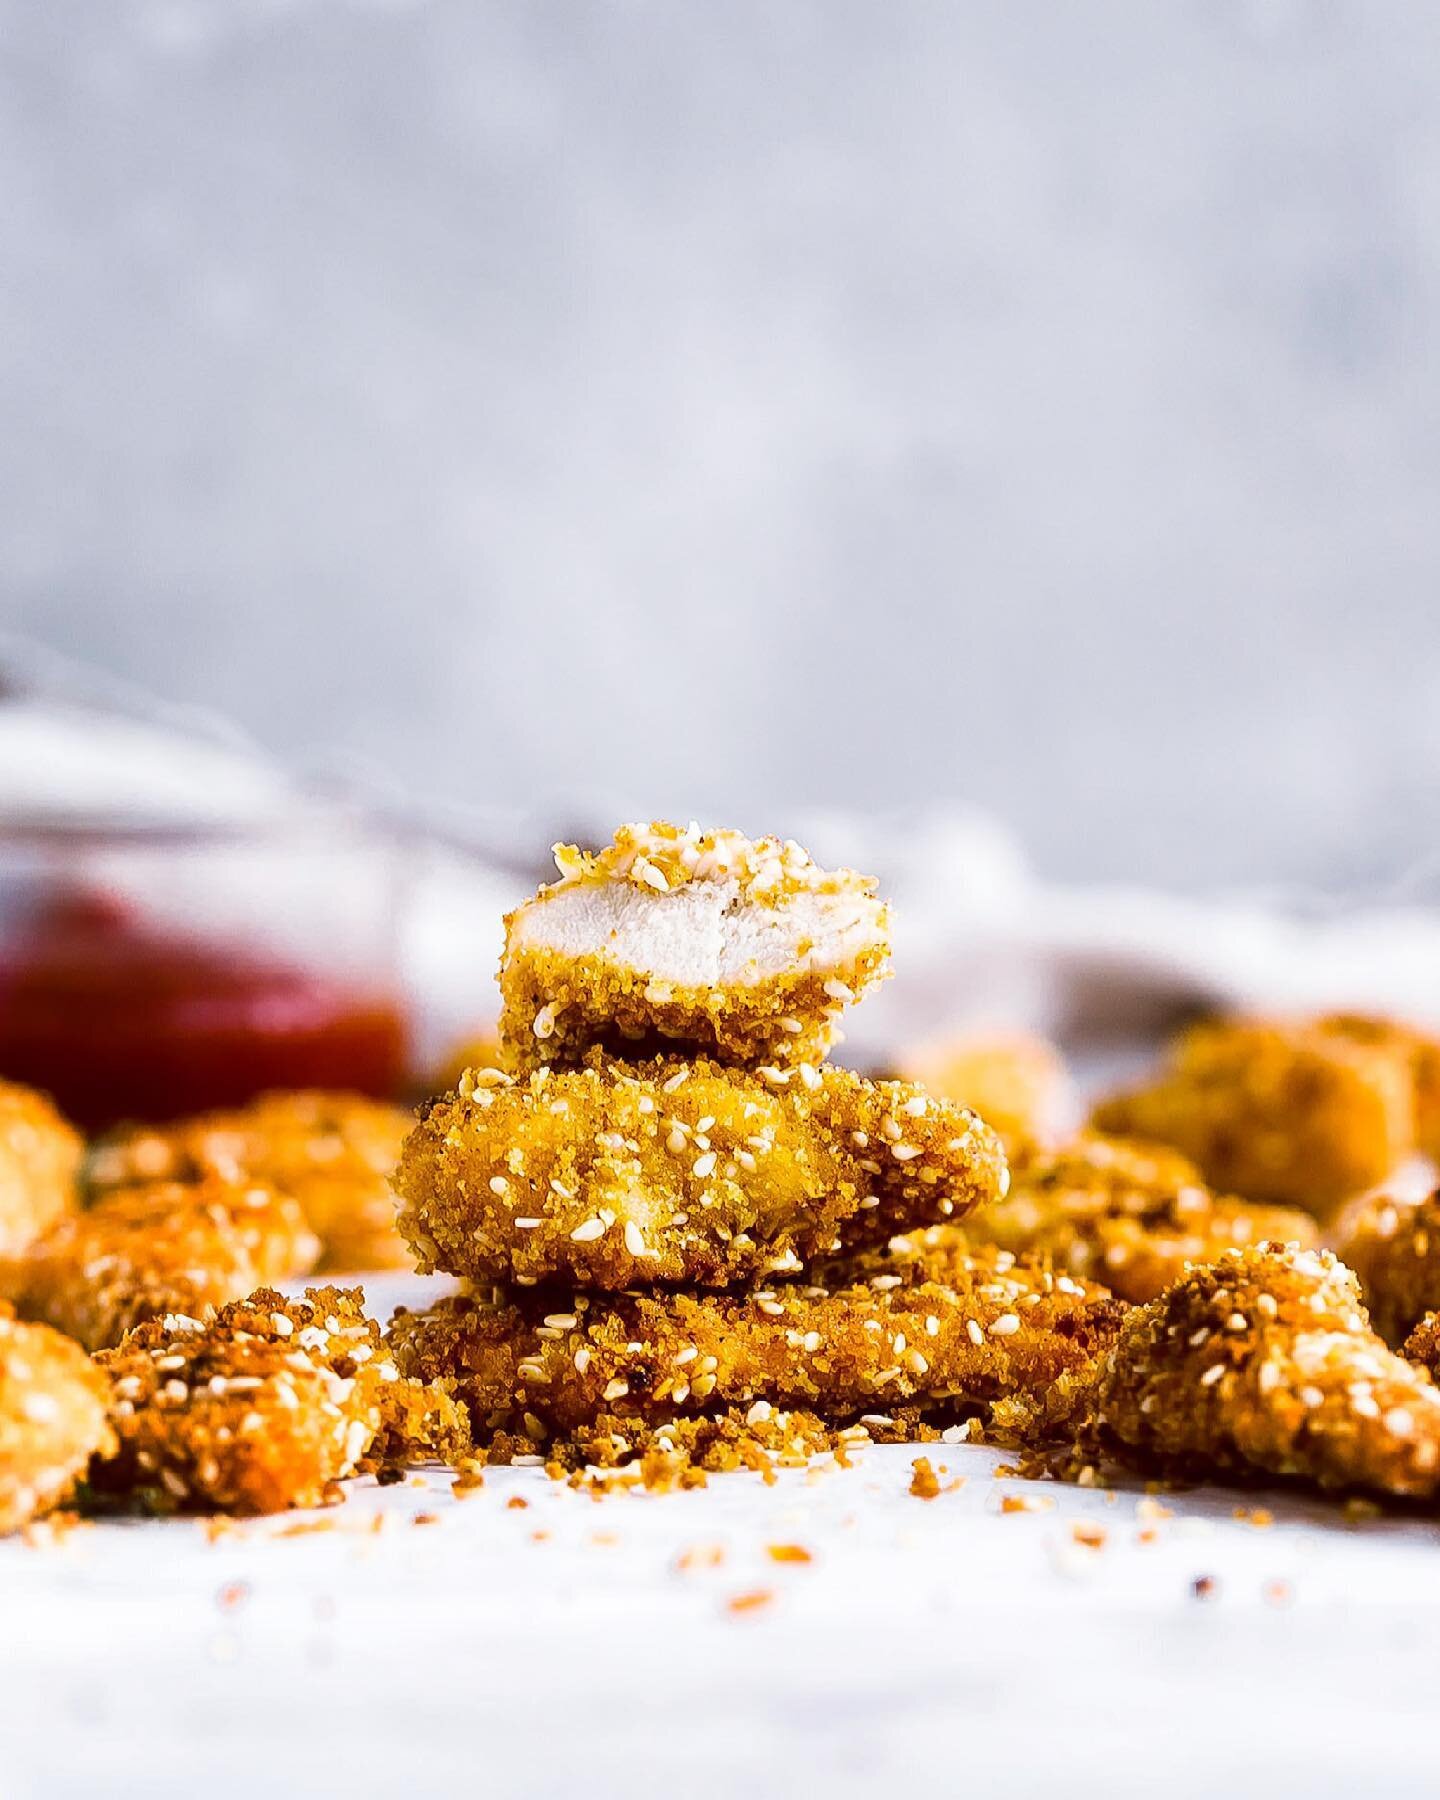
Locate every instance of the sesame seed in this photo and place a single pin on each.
(587, 1232)
(1006, 1325)
(616, 1389)
(528, 1224)
(704, 1165)
(499, 1185)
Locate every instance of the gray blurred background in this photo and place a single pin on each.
(741, 407)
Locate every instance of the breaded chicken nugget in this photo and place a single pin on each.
(39, 1161)
(1394, 1248)
(741, 949)
(1018, 1084)
(268, 1406)
(1264, 1363)
(334, 1152)
(167, 1247)
(619, 1174)
(1128, 1214)
(1419, 1048)
(1287, 1113)
(948, 1334)
(53, 1419)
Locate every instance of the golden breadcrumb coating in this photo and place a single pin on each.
(1128, 1214)
(621, 1174)
(334, 1152)
(53, 1419)
(1018, 1084)
(741, 949)
(1394, 1248)
(39, 1161)
(1264, 1363)
(166, 1247)
(1419, 1048)
(1288, 1113)
(267, 1406)
(944, 1333)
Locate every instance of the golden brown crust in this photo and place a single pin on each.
(1127, 1214)
(616, 1175)
(167, 1247)
(52, 1420)
(1291, 1114)
(1018, 1084)
(39, 1162)
(1394, 1248)
(267, 1406)
(557, 1004)
(1264, 1363)
(334, 1152)
(945, 1333)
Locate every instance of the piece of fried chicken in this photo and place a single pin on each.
(1292, 1114)
(333, 1151)
(1127, 1214)
(1264, 1363)
(1018, 1084)
(53, 1419)
(1394, 1248)
(267, 1405)
(40, 1156)
(164, 1247)
(632, 1174)
(948, 1333)
(739, 948)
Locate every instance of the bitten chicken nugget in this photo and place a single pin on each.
(39, 1162)
(167, 1247)
(1264, 1363)
(1394, 1248)
(268, 1406)
(1286, 1113)
(1018, 1084)
(741, 949)
(947, 1334)
(620, 1174)
(1131, 1215)
(334, 1152)
(53, 1418)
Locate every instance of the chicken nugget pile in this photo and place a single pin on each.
(669, 1210)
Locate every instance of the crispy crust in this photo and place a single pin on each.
(52, 1420)
(1018, 1084)
(39, 1161)
(1292, 1114)
(1423, 1345)
(1394, 1248)
(1127, 1214)
(1264, 1363)
(555, 1006)
(267, 1406)
(941, 1333)
(167, 1247)
(334, 1152)
(640, 1174)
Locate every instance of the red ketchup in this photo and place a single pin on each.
(120, 1018)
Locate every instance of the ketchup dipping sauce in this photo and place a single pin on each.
(128, 1012)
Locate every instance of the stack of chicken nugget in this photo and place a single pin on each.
(673, 1219)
